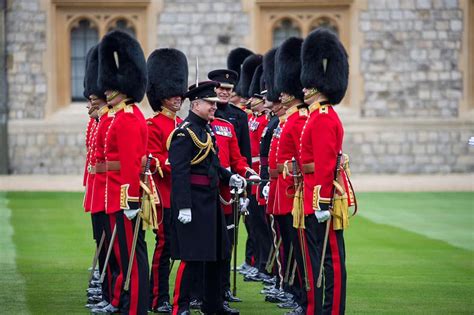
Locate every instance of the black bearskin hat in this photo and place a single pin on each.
(167, 76)
(236, 58)
(288, 67)
(269, 75)
(246, 75)
(325, 65)
(90, 76)
(122, 65)
(255, 83)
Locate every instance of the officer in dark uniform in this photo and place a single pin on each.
(233, 114)
(198, 228)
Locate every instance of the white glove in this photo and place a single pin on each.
(471, 141)
(131, 213)
(237, 181)
(255, 178)
(184, 215)
(322, 215)
(266, 191)
(244, 203)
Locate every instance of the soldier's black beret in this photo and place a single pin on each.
(90, 77)
(167, 76)
(122, 65)
(204, 90)
(273, 94)
(322, 49)
(288, 67)
(227, 78)
(246, 75)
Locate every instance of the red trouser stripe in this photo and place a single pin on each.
(309, 267)
(156, 264)
(134, 285)
(177, 287)
(336, 266)
(115, 300)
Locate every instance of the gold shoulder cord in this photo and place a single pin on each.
(202, 146)
(207, 146)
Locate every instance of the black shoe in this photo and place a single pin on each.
(226, 310)
(290, 304)
(271, 281)
(264, 276)
(297, 311)
(109, 309)
(94, 299)
(185, 313)
(195, 304)
(230, 298)
(164, 308)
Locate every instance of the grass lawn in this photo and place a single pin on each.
(406, 253)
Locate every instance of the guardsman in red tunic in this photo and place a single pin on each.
(235, 59)
(122, 74)
(287, 73)
(257, 124)
(95, 292)
(167, 84)
(325, 71)
(230, 158)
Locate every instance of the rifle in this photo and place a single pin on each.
(328, 222)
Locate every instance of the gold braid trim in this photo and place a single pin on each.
(206, 146)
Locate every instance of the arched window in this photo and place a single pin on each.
(123, 25)
(83, 37)
(283, 30)
(325, 22)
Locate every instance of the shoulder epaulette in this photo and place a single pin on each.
(180, 132)
(222, 119)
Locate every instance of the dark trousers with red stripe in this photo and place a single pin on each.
(136, 299)
(251, 242)
(99, 223)
(160, 267)
(335, 275)
(261, 232)
(289, 239)
(114, 266)
(212, 287)
(312, 297)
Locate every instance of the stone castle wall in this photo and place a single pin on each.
(409, 120)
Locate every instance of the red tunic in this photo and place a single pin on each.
(160, 127)
(90, 161)
(98, 188)
(125, 146)
(288, 148)
(272, 166)
(257, 124)
(229, 156)
(321, 142)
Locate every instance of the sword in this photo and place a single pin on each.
(109, 251)
(328, 224)
(197, 71)
(137, 228)
(96, 255)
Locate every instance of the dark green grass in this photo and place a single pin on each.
(390, 270)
